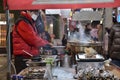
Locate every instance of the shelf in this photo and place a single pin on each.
(3, 29)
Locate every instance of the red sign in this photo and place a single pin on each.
(30, 4)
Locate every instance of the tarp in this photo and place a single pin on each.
(58, 4)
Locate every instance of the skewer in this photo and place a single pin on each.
(27, 53)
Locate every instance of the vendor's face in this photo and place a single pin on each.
(34, 15)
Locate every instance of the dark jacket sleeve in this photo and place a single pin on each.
(29, 35)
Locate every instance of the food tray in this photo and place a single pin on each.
(43, 61)
(83, 58)
(85, 43)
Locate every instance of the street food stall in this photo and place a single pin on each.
(87, 54)
(48, 4)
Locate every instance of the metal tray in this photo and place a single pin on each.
(42, 62)
(83, 58)
(85, 43)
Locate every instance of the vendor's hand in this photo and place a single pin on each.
(50, 44)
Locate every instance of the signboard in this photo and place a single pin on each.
(87, 15)
(58, 4)
(65, 13)
(70, 1)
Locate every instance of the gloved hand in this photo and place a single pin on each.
(47, 47)
(51, 44)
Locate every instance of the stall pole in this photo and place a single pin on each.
(8, 48)
(68, 30)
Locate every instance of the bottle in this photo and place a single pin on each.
(41, 51)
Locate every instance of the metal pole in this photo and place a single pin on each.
(8, 48)
(68, 30)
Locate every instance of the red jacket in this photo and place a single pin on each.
(26, 38)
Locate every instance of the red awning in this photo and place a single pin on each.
(28, 4)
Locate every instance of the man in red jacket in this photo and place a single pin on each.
(26, 41)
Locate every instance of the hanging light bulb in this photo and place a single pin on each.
(51, 24)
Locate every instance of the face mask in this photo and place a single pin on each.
(34, 17)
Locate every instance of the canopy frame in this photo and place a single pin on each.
(27, 5)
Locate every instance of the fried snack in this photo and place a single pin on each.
(90, 52)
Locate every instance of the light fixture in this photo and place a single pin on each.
(51, 24)
(2, 22)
